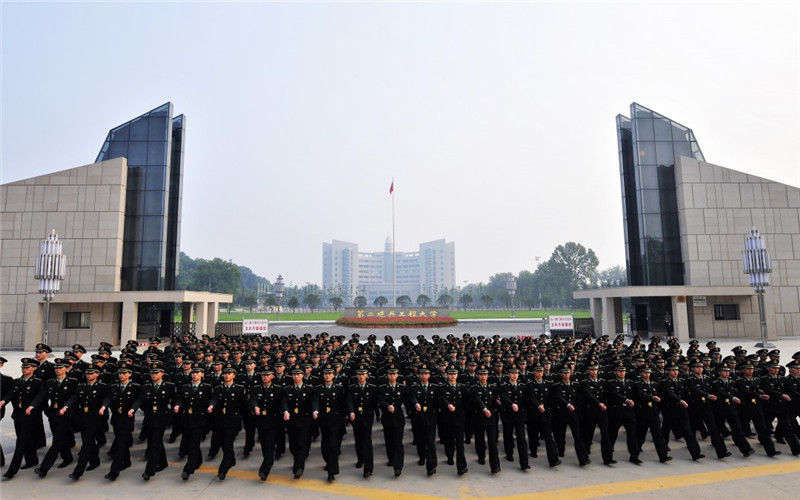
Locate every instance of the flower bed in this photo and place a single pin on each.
(395, 322)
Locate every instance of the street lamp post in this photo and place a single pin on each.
(511, 286)
(50, 266)
(757, 264)
(280, 287)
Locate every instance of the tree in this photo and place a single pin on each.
(423, 300)
(217, 276)
(250, 301)
(404, 301)
(380, 301)
(444, 300)
(580, 263)
(487, 300)
(336, 302)
(360, 301)
(312, 301)
(293, 303)
(270, 300)
(465, 300)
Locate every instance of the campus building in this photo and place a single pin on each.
(119, 222)
(347, 273)
(685, 223)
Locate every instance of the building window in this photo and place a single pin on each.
(77, 319)
(726, 312)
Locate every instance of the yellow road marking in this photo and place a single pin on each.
(580, 492)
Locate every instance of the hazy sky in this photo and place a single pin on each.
(496, 120)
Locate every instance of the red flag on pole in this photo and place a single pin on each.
(391, 188)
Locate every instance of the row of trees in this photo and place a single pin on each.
(550, 285)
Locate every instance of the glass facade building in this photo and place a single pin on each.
(648, 145)
(153, 144)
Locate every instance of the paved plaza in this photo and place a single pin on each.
(735, 477)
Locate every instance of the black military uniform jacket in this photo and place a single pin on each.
(643, 393)
(229, 403)
(539, 394)
(119, 400)
(699, 389)
(156, 402)
(617, 392)
(86, 401)
(514, 394)
(271, 402)
(193, 403)
(396, 396)
(484, 397)
(330, 403)
(362, 402)
(773, 387)
(671, 392)
(299, 404)
(590, 394)
(45, 371)
(22, 395)
(429, 401)
(458, 396)
(57, 394)
(562, 395)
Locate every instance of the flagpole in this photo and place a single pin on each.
(394, 255)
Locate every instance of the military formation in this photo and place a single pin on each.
(502, 394)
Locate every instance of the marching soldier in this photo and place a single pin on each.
(700, 398)
(156, 400)
(563, 398)
(248, 378)
(591, 400)
(726, 408)
(619, 393)
(674, 406)
(361, 404)
(539, 416)
(645, 395)
(191, 402)
(119, 402)
(85, 405)
(391, 398)
(268, 401)
(774, 406)
(424, 418)
(454, 398)
(298, 420)
(748, 388)
(329, 414)
(228, 400)
(513, 396)
(484, 419)
(23, 391)
(57, 391)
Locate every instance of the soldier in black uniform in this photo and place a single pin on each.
(155, 399)
(228, 401)
(540, 422)
(645, 395)
(749, 391)
(563, 398)
(118, 403)
(619, 394)
(593, 412)
(361, 404)
(453, 401)
(268, 402)
(248, 378)
(513, 397)
(45, 371)
(791, 385)
(191, 403)
(23, 391)
(674, 406)
(85, 405)
(391, 398)
(700, 398)
(484, 418)
(5, 388)
(726, 408)
(57, 392)
(424, 418)
(775, 407)
(329, 414)
(298, 419)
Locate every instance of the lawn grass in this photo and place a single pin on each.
(458, 314)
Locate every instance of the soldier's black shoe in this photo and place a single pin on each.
(724, 455)
(359, 465)
(298, 474)
(278, 455)
(39, 472)
(221, 476)
(211, 455)
(510, 458)
(462, 471)
(331, 478)
(65, 463)
(28, 466)
(110, 476)
(450, 461)
(585, 462)
(748, 453)
(495, 471)
(74, 476)
(635, 461)
(666, 459)
(609, 462)
(482, 461)
(263, 476)
(185, 476)
(421, 461)
(556, 463)
(432, 472)
(534, 454)
(246, 453)
(776, 453)
(698, 457)
(397, 472)
(146, 476)
(367, 473)
(560, 454)
(525, 467)
(92, 466)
